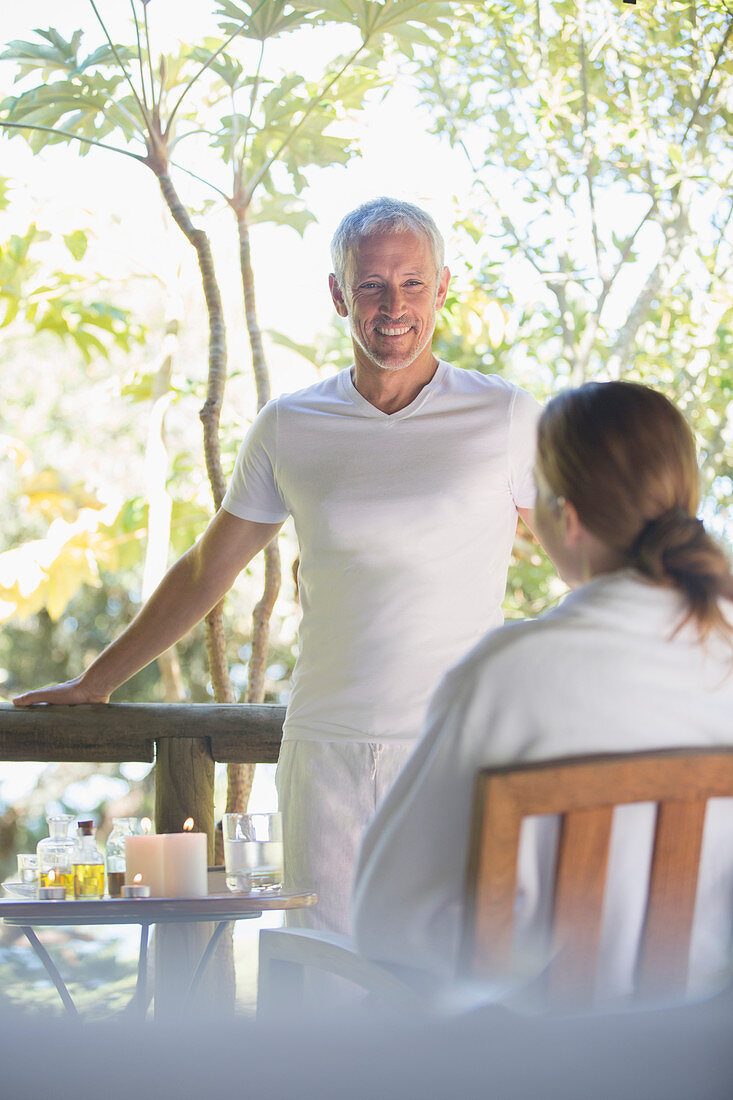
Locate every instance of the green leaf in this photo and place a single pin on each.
(281, 210)
(105, 55)
(278, 102)
(53, 54)
(389, 16)
(226, 67)
(10, 304)
(84, 105)
(308, 351)
(76, 243)
(261, 20)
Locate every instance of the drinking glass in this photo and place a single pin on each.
(253, 852)
(27, 868)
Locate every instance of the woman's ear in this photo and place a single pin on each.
(573, 529)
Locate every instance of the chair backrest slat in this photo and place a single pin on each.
(671, 902)
(580, 882)
(584, 791)
(491, 880)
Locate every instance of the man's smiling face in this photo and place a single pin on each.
(391, 300)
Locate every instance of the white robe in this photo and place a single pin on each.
(603, 672)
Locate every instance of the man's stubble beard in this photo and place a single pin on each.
(392, 366)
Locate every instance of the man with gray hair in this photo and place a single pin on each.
(404, 477)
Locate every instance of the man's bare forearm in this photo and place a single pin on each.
(181, 599)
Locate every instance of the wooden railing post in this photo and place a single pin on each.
(184, 786)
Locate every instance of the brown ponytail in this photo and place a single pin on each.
(624, 456)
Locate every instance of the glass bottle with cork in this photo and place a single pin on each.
(55, 854)
(116, 855)
(88, 864)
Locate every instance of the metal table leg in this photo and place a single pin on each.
(206, 958)
(51, 970)
(140, 1001)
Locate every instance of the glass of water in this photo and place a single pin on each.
(253, 852)
(27, 868)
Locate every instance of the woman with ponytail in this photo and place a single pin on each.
(638, 656)
(616, 462)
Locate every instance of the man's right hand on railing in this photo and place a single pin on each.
(71, 692)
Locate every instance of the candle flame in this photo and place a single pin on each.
(146, 825)
(137, 879)
(51, 877)
(188, 824)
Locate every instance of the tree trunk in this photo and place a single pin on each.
(159, 502)
(676, 233)
(210, 413)
(259, 363)
(240, 776)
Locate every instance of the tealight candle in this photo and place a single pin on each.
(52, 893)
(136, 891)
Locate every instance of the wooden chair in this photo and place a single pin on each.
(583, 792)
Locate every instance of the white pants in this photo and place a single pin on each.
(328, 792)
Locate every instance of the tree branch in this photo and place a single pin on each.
(206, 183)
(139, 52)
(252, 99)
(511, 52)
(150, 57)
(618, 354)
(586, 139)
(704, 90)
(75, 137)
(128, 78)
(567, 336)
(315, 100)
(693, 118)
(629, 243)
(722, 234)
(625, 337)
(236, 169)
(205, 66)
(506, 222)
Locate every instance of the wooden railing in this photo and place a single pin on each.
(185, 740)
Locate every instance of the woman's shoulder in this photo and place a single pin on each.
(601, 614)
(617, 621)
(509, 650)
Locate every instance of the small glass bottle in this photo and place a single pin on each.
(88, 863)
(116, 855)
(55, 854)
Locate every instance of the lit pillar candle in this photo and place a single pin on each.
(185, 873)
(144, 857)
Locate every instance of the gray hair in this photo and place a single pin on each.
(379, 216)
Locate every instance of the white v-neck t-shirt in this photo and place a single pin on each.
(405, 524)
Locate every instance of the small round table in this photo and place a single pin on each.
(219, 909)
